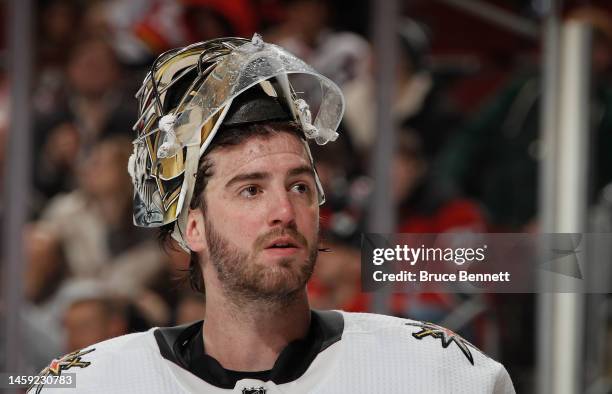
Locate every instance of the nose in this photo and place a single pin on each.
(282, 211)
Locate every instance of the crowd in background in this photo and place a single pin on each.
(466, 158)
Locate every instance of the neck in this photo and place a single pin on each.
(250, 336)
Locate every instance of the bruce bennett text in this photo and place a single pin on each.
(425, 276)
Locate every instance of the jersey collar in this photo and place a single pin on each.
(184, 346)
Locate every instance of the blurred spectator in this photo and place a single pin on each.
(45, 273)
(80, 313)
(103, 242)
(306, 32)
(138, 30)
(98, 103)
(91, 320)
(58, 22)
(95, 22)
(42, 321)
(142, 29)
(152, 25)
(46, 269)
(423, 204)
(418, 102)
(56, 165)
(93, 108)
(496, 156)
(207, 19)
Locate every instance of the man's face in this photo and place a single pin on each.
(261, 218)
(87, 322)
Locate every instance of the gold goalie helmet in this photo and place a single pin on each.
(191, 92)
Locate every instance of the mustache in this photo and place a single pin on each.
(265, 239)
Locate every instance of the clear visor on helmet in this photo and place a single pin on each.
(253, 63)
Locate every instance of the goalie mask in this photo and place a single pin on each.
(191, 92)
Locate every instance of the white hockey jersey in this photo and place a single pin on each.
(349, 353)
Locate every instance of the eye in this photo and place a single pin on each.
(250, 191)
(301, 188)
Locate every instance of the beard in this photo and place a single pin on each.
(244, 280)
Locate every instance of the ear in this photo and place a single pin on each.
(195, 231)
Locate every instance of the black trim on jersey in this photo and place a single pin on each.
(184, 346)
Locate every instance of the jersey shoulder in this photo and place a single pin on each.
(107, 364)
(400, 330)
(423, 345)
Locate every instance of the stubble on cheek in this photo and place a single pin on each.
(245, 279)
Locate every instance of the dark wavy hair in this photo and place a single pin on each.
(226, 137)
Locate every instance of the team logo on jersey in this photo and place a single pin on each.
(446, 336)
(58, 365)
(253, 390)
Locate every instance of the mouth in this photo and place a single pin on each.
(282, 247)
(283, 243)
